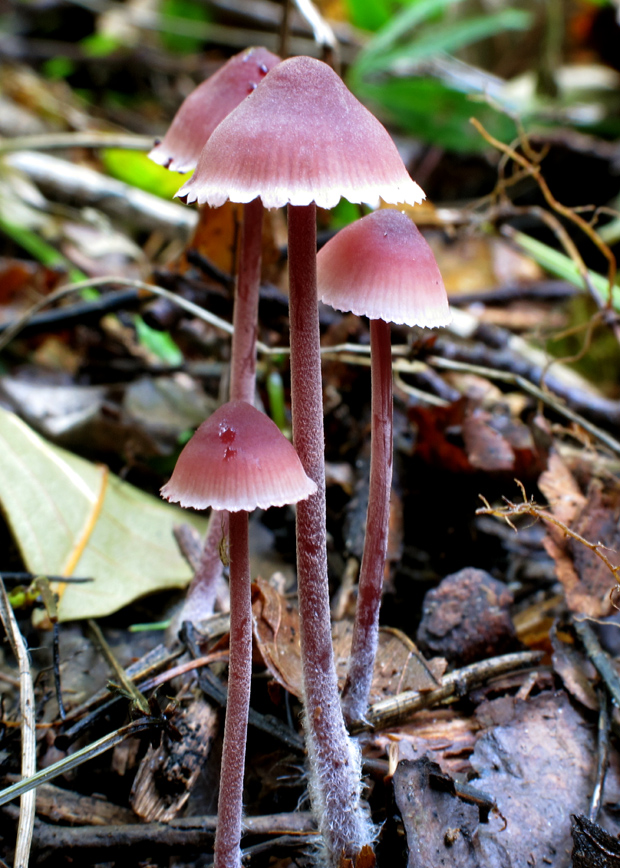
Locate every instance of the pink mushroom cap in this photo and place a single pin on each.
(382, 267)
(207, 105)
(300, 137)
(238, 460)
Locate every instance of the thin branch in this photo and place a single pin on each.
(76, 759)
(531, 508)
(29, 743)
(535, 172)
(399, 709)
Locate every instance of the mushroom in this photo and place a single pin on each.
(194, 122)
(238, 460)
(302, 139)
(207, 105)
(380, 267)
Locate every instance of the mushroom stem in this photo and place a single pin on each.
(202, 592)
(245, 317)
(230, 805)
(201, 595)
(334, 767)
(366, 627)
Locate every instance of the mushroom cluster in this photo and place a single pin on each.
(179, 150)
(301, 139)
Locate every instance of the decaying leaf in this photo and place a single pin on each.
(399, 665)
(440, 827)
(537, 760)
(69, 516)
(587, 581)
(593, 846)
(276, 630)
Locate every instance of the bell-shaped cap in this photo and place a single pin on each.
(300, 137)
(209, 104)
(238, 460)
(382, 267)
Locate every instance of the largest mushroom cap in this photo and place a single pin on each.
(207, 105)
(382, 267)
(300, 137)
(238, 460)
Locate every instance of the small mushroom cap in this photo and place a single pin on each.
(382, 267)
(209, 104)
(238, 460)
(300, 137)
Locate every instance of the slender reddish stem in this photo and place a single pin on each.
(230, 805)
(245, 317)
(334, 771)
(366, 627)
(201, 594)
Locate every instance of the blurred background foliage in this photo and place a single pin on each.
(425, 66)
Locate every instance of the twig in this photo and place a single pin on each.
(29, 743)
(90, 139)
(180, 836)
(398, 709)
(56, 667)
(129, 688)
(530, 507)
(599, 658)
(149, 289)
(76, 759)
(535, 172)
(72, 181)
(602, 752)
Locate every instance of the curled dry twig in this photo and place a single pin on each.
(532, 169)
(530, 507)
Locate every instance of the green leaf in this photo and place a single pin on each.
(40, 249)
(69, 516)
(563, 266)
(398, 28)
(369, 14)
(157, 342)
(450, 38)
(187, 11)
(135, 168)
(435, 113)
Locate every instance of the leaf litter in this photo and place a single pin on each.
(488, 775)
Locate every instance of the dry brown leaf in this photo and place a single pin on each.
(587, 581)
(276, 631)
(399, 665)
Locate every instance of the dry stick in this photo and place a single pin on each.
(366, 627)
(230, 805)
(137, 698)
(599, 658)
(602, 754)
(335, 789)
(181, 835)
(29, 742)
(76, 759)
(90, 139)
(399, 709)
